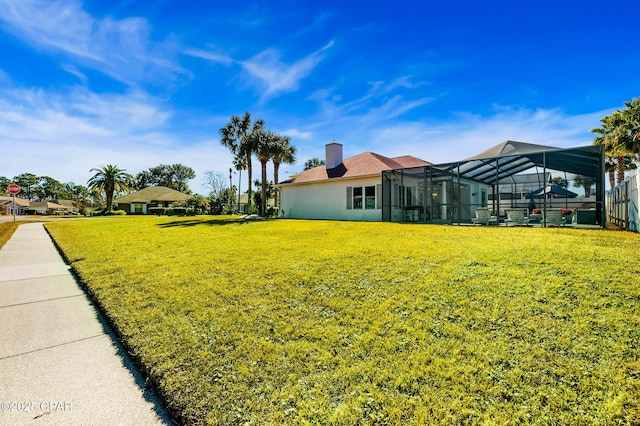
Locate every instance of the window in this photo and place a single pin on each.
(357, 197)
(369, 197)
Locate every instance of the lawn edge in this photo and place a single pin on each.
(106, 320)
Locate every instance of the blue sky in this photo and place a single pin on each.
(140, 83)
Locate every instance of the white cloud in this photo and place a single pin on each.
(379, 87)
(65, 135)
(394, 107)
(121, 49)
(294, 133)
(73, 70)
(445, 140)
(466, 134)
(221, 58)
(274, 76)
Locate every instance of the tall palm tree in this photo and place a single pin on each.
(236, 136)
(240, 164)
(632, 126)
(265, 144)
(610, 169)
(632, 122)
(109, 179)
(284, 153)
(585, 182)
(620, 134)
(611, 135)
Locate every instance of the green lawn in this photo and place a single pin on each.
(319, 322)
(6, 231)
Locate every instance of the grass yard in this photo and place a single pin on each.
(339, 323)
(6, 231)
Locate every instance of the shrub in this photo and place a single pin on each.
(179, 211)
(158, 211)
(104, 212)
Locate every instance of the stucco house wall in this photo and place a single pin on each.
(342, 189)
(331, 200)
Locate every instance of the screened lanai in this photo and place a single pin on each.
(449, 193)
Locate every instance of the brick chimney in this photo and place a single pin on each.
(334, 154)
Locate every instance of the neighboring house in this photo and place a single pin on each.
(348, 189)
(46, 207)
(6, 205)
(71, 205)
(153, 196)
(244, 202)
(242, 205)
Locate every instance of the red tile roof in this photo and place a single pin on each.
(365, 164)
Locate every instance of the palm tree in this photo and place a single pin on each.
(611, 135)
(239, 163)
(620, 134)
(236, 136)
(284, 153)
(313, 162)
(266, 144)
(109, 179)
(585, 182)
(632, 122)
(610, 169)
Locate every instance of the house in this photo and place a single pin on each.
(46, 207)
(71, 205)
(371, 187)
(343, 189)
(243, 205)
(7, 205)
(153, 196)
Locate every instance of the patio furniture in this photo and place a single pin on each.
(585, 217)
(516, 217)
(483, 216)
(553, 217)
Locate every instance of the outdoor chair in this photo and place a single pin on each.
(483, 217)
(553, 217)
(516, 217)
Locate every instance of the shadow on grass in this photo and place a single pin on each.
(211, 222)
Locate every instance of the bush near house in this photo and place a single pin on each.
(104, 212)
(318, 322)
(174, 211)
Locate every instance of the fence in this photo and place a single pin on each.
(622, 203)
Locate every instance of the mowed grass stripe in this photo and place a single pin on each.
(321, 322)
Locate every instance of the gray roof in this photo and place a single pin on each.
(152, 193)
(510, 148)
(510, 158)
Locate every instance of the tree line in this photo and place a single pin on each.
(107, 181)
(41, 188)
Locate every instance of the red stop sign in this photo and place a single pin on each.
(13, 189)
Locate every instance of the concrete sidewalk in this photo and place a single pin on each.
(59, 362)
